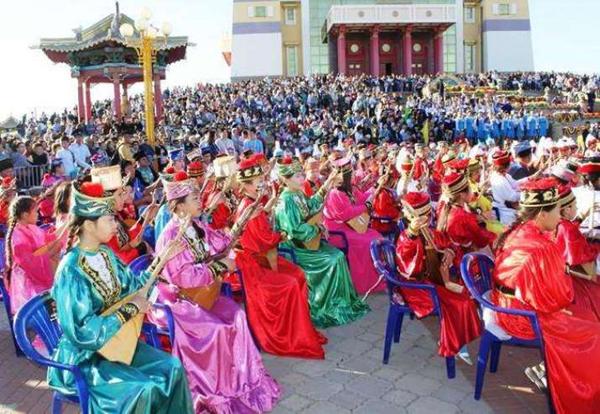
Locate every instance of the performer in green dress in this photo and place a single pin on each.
(332, 297)
(89, 280)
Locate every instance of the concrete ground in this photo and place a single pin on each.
(352, 378)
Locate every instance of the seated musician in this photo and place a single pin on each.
(530, 274)
(332, 296)
(426, 255)
(275, 289)
(90, 279)
(212, 339)
(31, 253)
(580, 255)
(347, 211)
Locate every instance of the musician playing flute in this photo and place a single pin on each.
(89, 280)
(332, 297)
(225, 370)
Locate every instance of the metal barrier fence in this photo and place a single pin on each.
(30, 176)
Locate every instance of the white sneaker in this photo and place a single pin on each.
(464, 355)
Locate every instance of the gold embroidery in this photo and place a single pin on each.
(109, 294)
(196, 247)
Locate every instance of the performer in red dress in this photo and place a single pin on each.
(530, 274)
(579, 254)
(454, 218)
(276, 289)
(386, 204)
(425, 255)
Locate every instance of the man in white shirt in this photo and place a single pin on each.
(81, 153)
(588, 197)
(67, 158)
(505, 190)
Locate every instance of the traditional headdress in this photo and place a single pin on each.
(415, 205)
(539, 193)
(459, 165)
(196, 153)
(501, 157)
(176, 154)
(195, 169)
(180, 187)
(565, 195)
(590, 166)
(454, 183)
(224, 166)
(474, 165)
(343, 165)
(448, 157)
(88, 201)
(109, 177)
(249, 169)
(287, 167)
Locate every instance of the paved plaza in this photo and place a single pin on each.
(352, 379)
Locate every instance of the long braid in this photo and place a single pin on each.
(525, 214)
(12, 222)
(73, 234)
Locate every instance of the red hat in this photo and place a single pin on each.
(455, 183)
(195, 169)
(92, 189)
(565, 195)
(250, 167)
(459, 165)
(416, 204)
(501, 157)
(539, 193)
(589, 167)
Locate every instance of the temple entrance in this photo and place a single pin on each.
(387, 69)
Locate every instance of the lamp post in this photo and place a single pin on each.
(147, 46)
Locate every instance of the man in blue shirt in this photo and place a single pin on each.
(252, 143)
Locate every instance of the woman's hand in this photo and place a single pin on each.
(140, 300)
(230, 263)
(174, 247)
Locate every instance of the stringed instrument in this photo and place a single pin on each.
(315, 242)
(360, 223)
(433, 262)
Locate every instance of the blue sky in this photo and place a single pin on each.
(564, 38)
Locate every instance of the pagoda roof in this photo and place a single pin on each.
(105, 33)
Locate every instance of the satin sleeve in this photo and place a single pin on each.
(78, 318)
(384, 205)
(290, 220)
(575, 248)
(464, 230)
(23, 249)
(258, 236)
(409, 255)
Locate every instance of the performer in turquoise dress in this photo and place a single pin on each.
(89, 280)
(332, 297)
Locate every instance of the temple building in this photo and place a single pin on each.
(379, 37)
(100, 54)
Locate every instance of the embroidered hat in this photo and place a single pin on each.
(474, 165)
(176, 154)
(249, 169)
(286, 167)
(343, 165)
(455, 183)
(416, 204)
(565, 195)
(180, 187)
(590, 165)
(88, 201)
(224, 166)
(539, 193)
(196, 153)
(109, 177)
(5, 164)
(501, 157)
(195, 169)
(459, 165)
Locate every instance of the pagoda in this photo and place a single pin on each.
(100, 54)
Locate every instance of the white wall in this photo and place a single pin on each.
(508, 51)
(256, 55)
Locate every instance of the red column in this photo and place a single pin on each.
(117, 97)
(407, 50)
(341, 50)
(375, 51)
(158, 103)
(80, 103)
(88, 101)
(438, 51)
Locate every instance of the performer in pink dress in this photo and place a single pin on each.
(224, 368)
(31, 253)
(342, 205)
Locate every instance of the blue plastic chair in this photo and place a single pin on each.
(383, 255)
(490, 345)
(39, 315)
